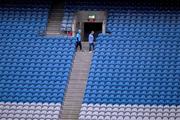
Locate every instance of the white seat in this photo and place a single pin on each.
(126, 118)
(133, 118)
(160, 106)
(122, 106)
(23, 115)
(128, 110)
(82, 113)
(95, 113)
(103, 105)
(89, 113)
(147, 110)
(133, 113)
(146, 118)
(57, 108)
(90, 109)
(134, 110)
(165, 114)
(42, 116)
(20, 107)
(94, 117)
(84, 105)
(102, 109)
(115, 106)
(159, 118)
(96, 109)
(121, 114)
(146, 113)
(159, 114)
(49, 116)
(165, 118)
(82, 117)
(115, 109)
(102, 113)
(90, 105)
(114, 114)
(50, 112)
(113, 118)
(83, 109)
(152, 118)
(88, 117)
(178, 118)
(100, 118)
(135, 106)
(172, 118)
(140, 110)
(108, 113)
(33, 104)
(109, 109)
(109, 105)
(37, 116)
(153, 110)
(154, 106)
(173, 110)
(107, 118)
(140, 113)
(55, 116)
(167, 106)
(22, 119)
(152, 114)
(166, 110)
(120, 118)
(49, 108)
(139, 118)
(160, 110)
(142, 106)
(32, 107)
(9, 119)
(121, 109)
(97, 105)
(13, 107)
(29, 115)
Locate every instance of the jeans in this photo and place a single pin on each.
(78, 43)
(91, 46)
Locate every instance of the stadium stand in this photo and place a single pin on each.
(135, 71)
(34, 70)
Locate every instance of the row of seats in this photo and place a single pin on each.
(34, 69)
(29, 111)
(19, 19)
(128, 112)
(136, 63)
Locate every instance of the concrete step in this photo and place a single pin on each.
(55, 18)
(71, 104)
(76, 87)
(53, 29)
(54, 24)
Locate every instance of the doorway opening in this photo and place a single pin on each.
(88, 27)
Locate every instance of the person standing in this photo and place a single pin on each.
(78, 40)
(91, 41)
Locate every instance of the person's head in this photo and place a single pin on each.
(79, 31)
(92, 32)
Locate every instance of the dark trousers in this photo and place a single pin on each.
(78, 43)
(91, 46)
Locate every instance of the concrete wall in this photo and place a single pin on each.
(82, 16)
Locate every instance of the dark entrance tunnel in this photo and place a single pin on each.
(88, 27)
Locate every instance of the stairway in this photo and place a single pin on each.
(76, 87)
(55, 18)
